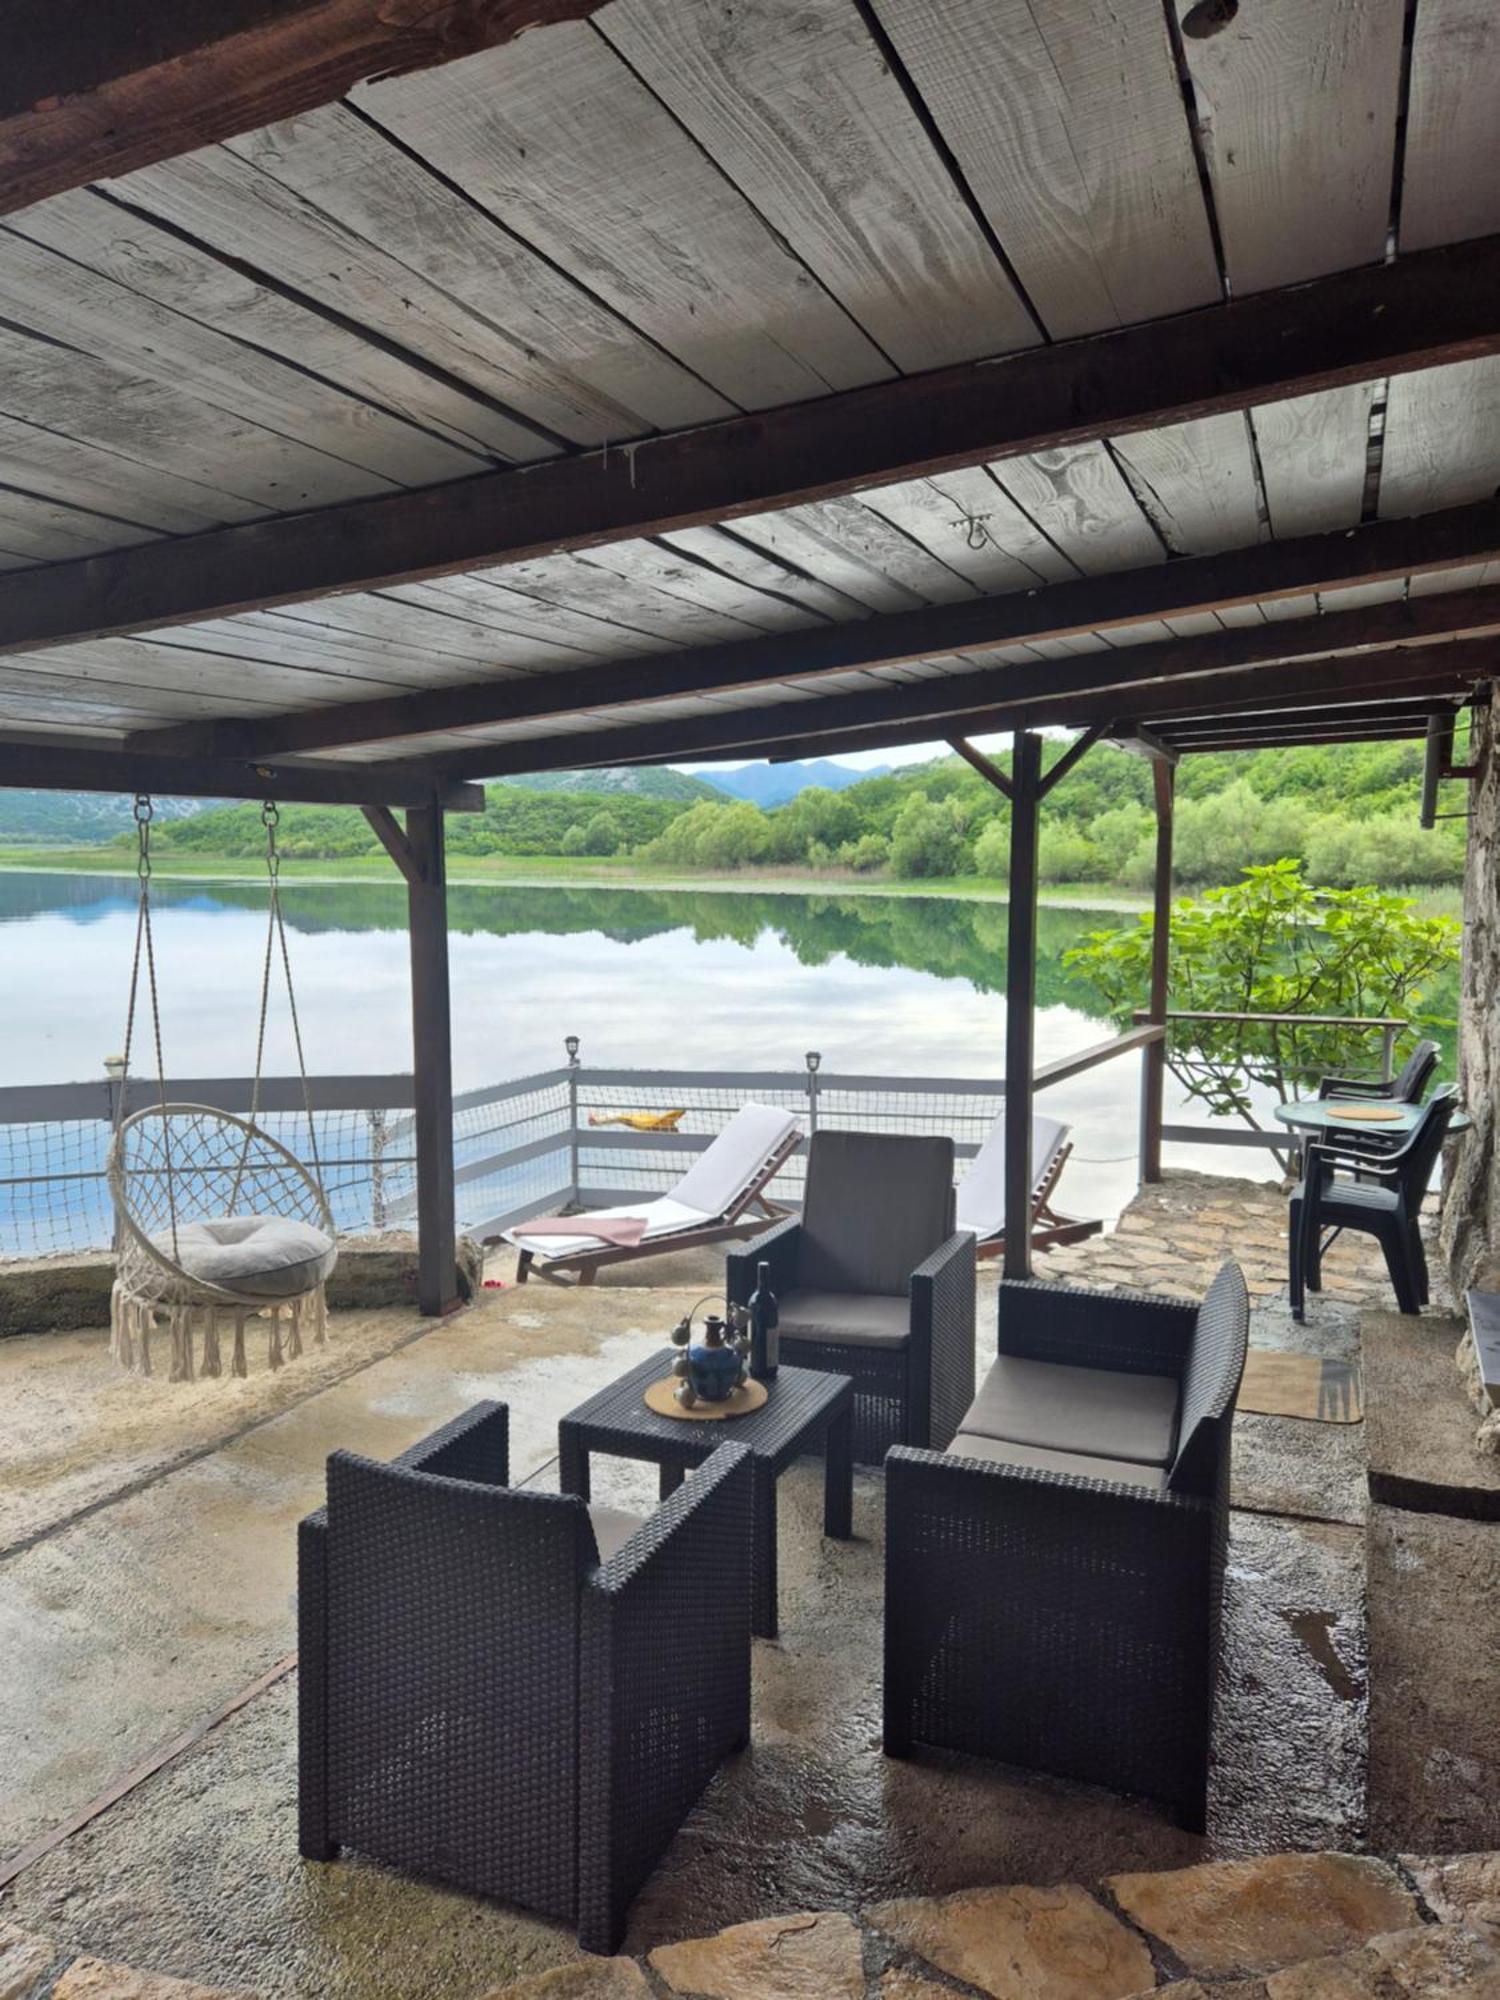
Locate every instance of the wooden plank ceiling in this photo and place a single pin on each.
(677, 212)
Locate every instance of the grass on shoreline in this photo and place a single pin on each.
(546, 871)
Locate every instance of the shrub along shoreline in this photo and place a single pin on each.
(1348, 813)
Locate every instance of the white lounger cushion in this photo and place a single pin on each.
(259, 1256)
(722, 1172)
(981, 1193)
(704, 1195)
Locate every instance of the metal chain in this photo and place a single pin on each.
(145, 947)
(270, 819)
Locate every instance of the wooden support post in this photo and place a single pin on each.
(1020, 998)
(432, 1054)
(1154, 1057)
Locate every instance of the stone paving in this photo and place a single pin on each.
(1309, 1926)
(1176, 1233)
(196, 1872)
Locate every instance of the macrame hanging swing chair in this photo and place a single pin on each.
(217, 1224)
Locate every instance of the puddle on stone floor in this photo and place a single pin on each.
(1316, 1629)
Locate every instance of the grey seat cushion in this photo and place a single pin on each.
(1097, 1411)
(995, 1451)
(258, 1256)
(613, 1528)
(849, 1319)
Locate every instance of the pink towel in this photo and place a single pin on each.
(625, 1230)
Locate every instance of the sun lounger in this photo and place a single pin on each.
(981, 1193)
(722, 1195)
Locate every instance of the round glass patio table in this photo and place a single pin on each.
(1310, 1115)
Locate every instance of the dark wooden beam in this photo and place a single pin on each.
(1143, 742)
(985, 766)
(98, 88)
(1273, 738)
(1020, 997)
(1435, 306)
(1451, 668)
(1331, 715)
(1045, 691)
(1199, 583)
(387, 829)
(1154, 1056)
(1076, 751)
(432, 1061)
(80, 767)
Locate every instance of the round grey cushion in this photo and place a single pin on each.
(258, 1256)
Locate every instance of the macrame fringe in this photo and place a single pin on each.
(133, 1320)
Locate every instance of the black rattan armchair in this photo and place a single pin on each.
(1405, 1087)
(873, 1282)
(1380, 1195)
(500, 1691)
(1054, 1581)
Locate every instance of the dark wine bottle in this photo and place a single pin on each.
(765, 1341)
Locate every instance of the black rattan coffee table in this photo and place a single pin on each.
(803, 1409)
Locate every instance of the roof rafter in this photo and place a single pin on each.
(1432, 307)
(1195, 583)
(109, 88)
(944, 707)
(83, 765)
(1448, 669)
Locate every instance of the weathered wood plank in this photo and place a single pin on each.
(1297, 104)
(1054, 620)
(1312, 457)
(570, 362)
(737, 607)
(1442, 438)
(34, 530)
(1077, 496)
(557, 136)
(802, 535)
(1067, 119)
(1435, 306)
(489, 601)
(1451, 184)
(48, 291)
(586, 588)
(149, 421)
(239, 210)
(120, 665)
(99, 481)
(802, 112)
(106, 231)
(113, 88)
(1196, 482)
(737, 558)
(330, 658)
(438, 635)
(973, 526)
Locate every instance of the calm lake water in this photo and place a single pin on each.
(655, 979)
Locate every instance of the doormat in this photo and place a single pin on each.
(1281, 1384)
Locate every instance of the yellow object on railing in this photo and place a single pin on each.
(640, 1121)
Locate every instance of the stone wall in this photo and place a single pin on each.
(1471, 1206)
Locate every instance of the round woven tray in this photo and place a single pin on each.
(662, 1398)
(1365, 1114)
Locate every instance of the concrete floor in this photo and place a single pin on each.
(147, 1580)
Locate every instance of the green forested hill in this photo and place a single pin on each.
(1350, 812)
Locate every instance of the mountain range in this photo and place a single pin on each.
(83, 819)
(768, 785)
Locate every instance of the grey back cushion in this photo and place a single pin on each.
(876, 1207)
(1211, 1380)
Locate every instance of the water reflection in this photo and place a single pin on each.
(657, 979)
